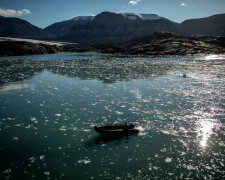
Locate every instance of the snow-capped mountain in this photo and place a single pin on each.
(62, 28)
(135, 16)
(83, 18)
(131, 16)
(150, 16)
(115, 27)
(110, 27)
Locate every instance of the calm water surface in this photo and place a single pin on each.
(49, 105)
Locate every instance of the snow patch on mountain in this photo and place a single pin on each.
(135, 16)
(131, 16)
(84, 18)
(54, 43)
(150, 16)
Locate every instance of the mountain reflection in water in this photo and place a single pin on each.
(105, 71)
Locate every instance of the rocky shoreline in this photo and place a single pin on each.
(165, 43)
(157, 44)
(20, 48)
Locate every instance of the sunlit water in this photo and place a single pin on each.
(50, 103)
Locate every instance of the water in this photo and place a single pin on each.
(50, 103)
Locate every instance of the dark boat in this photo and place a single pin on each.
(116, 129)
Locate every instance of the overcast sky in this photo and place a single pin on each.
(45, 12)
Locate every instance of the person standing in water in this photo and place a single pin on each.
(125, 127)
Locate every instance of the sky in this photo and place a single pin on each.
(45, 12)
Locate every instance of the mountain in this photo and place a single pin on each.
(15, 27)
(111, 27)
(115, 27)
(210, 26)
(62, 28)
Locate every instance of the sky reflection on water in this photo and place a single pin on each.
(48, 110)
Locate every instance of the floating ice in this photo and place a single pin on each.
(84, 161)
(32, 159)
(129, 160)
(221, 163)
(86, 130)
(33, 118)
(168, 160)
(47, 173)
(15, 138)
(119, 113)
(42, 157)
(163, 150)
(7, 171)
(63, 128)
(190, 167)
(208, 167)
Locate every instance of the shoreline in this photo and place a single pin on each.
(160, 44)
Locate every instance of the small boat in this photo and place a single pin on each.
(116, 129)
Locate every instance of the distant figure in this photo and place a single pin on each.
(126, 127)
(131, 126)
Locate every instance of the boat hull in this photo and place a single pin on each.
(114, 130)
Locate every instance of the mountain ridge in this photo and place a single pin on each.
(117, 27)
(16, 27)
(114, 27)
(111, 27)
(211, 26)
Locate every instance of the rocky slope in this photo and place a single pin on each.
(165, 43)
(210, 26)
(17, 48)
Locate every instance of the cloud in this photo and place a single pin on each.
(183, 4)
(13, 13)
(134, 2)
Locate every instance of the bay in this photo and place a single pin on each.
(49, 105)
